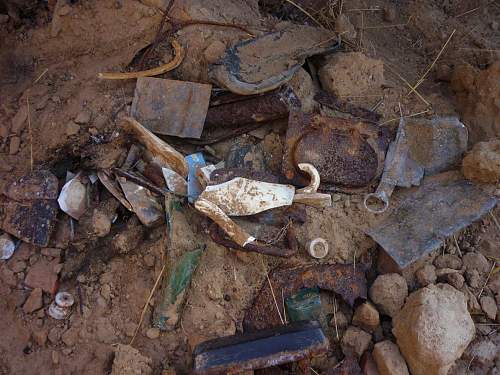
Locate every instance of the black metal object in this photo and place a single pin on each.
(271, 347)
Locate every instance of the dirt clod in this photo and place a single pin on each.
(352, 74)
(482, 164)
(34, 301)
(129, 361)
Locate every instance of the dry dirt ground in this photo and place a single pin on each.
(49, 61)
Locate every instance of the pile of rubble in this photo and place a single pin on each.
(412, 304)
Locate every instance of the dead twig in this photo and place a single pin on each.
(399, 118)
(274, 298)
(458, 247)
(408, 84)
(486, 282)
(143, 313)
(30, 132)
(305, 12)
(495, 220)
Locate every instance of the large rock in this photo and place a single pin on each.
(388, 359)
(352, 74)
(482, 163)
(433, 329)
(129, 361)
(388, 292)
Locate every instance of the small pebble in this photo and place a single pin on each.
(153, 333)
(390, 14)
(14, 145)
(83, 117)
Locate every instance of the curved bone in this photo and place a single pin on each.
(313, 174)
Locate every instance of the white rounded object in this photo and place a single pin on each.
(318, 248)
(7, 246)
(61, 307)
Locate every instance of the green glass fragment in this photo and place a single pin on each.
(304, 305)
(172, 294)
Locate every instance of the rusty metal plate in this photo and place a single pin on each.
(347, 153)
(441, 206)
(271, 347)
(171, 107)
(31, 221)
(342, 279)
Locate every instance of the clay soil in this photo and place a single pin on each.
(49, 60)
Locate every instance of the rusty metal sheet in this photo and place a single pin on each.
(348, 154)
(32, 221)
(271, 347)
(36, 185)
(342, 279)
(171, 107)
(237, 115)
(425, 216)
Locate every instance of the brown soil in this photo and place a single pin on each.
(49, 60)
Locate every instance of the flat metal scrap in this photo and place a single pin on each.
(348, 154)
(441, 206)
(342, 279)
(171, 107)
(31, 211)
(296, 342)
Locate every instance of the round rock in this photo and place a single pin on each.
(388, 292)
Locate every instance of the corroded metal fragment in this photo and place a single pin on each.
(271, 347)
(347, 153)
(342, 279)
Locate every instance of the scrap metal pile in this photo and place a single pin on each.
(322, 155)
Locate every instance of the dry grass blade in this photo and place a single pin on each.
(30, 132)
(305, 12)
(433, 63)
(151, 294)
(408, 84)
(495, 220)
(274, 298)
(458, 247)
(487, 279)
(399, 118)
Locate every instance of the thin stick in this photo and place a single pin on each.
(470, 363)
(305, 12)
(432, 65)
(399, 118)
(147, 303)
(41, 75)
(363, 10)
(284, 309)
(495, 220)
(486, 282)
(354, 262)
(335, 318)
(458, 247)
(274, 298)
(409, 85)
(469, 11)
(313, 370)
(29, 130)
